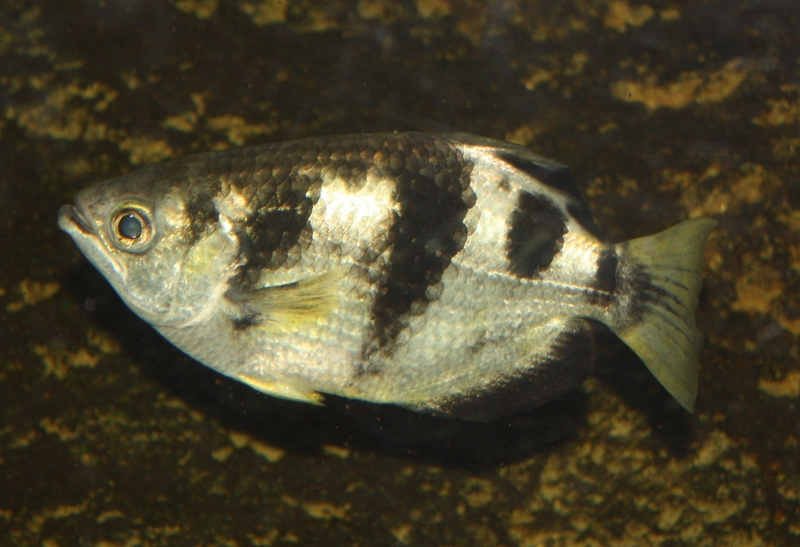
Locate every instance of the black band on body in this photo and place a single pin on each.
(433, 196)
(536, 234)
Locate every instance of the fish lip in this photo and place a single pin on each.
(75, 216)
(78, 222)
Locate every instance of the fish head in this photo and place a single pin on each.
(159, 241)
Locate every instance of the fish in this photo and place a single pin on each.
(446, 273)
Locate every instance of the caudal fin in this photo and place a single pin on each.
(661, 275)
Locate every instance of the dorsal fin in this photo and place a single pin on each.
(548, 172)
(556, 176)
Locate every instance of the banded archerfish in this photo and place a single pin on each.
(446, 273)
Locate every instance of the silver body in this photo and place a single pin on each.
(480, 302)
(305, 322)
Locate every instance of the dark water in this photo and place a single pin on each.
(664, 110)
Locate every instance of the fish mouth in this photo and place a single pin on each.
(79, 223)
(75, 217)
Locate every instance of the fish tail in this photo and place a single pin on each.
(656, 284)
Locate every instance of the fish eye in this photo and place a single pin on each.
(130, 226)
(132, 229)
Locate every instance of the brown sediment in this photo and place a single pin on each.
(112, 437)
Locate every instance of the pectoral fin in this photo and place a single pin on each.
(292, 304)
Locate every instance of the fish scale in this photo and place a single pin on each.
(446, 273)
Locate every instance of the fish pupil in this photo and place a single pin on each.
(130, 227)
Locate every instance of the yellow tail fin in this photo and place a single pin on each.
(656, 320)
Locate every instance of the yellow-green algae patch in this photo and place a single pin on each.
(202, 9)
(664, 500)
(691, 87)
(789, 386)
(265, 12)
(621, 15)
(783, 111)
(32, 292)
